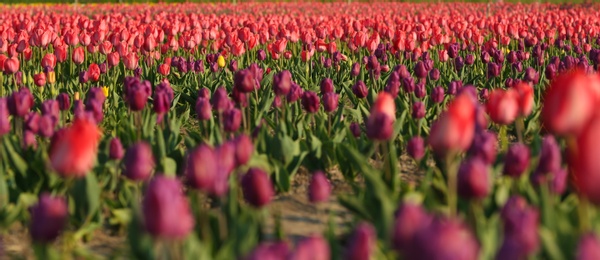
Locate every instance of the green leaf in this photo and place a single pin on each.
(86, 195)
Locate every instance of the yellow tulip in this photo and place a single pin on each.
(105, 91)
(76, 95)
(51, 77)
(221, 61)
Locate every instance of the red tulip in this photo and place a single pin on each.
(11, 66)
(503, 106)
(39, 79)
(94, 72)
(570, 102)
(583, 162)
(453, 131)
(78, 55)
(525, 97)
(73, 149)
(49, 60)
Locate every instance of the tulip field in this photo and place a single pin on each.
(301, 131)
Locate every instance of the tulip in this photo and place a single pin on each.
(360, 89)
(437, 94)
(310, 101)
(361, 243)
(311, 248)
(78, 55)
(282, 83)
(269, 251)
(444, 239)
(203, 109)
(295, 93)
(11, 66)
(48, 218)
(73, 149)
(330, 101)
(232, 119)
(570, 102)
(201, 168)
(393, 84)
(503, 106)
(453, 131)
(410, 219)
(4, 117)
(46, 124)
(520, 226)
(166, 210)
(588, 247)
(516, 160)
(319, 188)
(484, 146)
(138, 162)
(257, 188)
(115, 150)
(326, 86)
(355, 71)
(49, 60)
(474, 179)
(355, 129)
(420, 70)
(434, 74)
(137, 93)
(164, 69)
(416, 148)
(220, 100)
(20, 102)
(550, 158)
(244, 148)
(380, 124)
(585, 171)
(162, 98)
(244, 81)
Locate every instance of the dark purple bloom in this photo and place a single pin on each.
(437, 94)
(484, 146)
(360, 89)
(257, 187)
(163, 96)
(47, 123)
(330, 101)
(166, 211)
(201, 168)
(232, 119)
(64, 102)
(261, 55)
(516, 160)
(550, 158)
(420, 70)
(434, 74)
(220, 100)
(137, 93)
(588, 247)
(244, 81)
(243, 149)
(355, 129)
(115, 150)
(20, 102)
(326, 85)
(416, 148)
(418, 110)
(32, 120)
(361, 243)
(355, 71)
(282, 83)
(203, 109)
(310, 102)
(138, 162)
(410, 219)
(420, 90)
(443, 239)
(474, 179)
(319, 188)
(393, 84)
(48, 218)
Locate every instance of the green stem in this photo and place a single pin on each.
(584, 215)
(452, 173)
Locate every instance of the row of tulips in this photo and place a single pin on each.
(178, 129)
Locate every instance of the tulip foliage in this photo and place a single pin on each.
(464, 131)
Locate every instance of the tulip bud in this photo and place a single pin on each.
(330, 101)
(166, 211)
(360, 89)
(232, 119)
(163, 96)
(410, 219)
(282, 83)
(319, 188)
(137, 93)
(503, 106)
(484, 146)
(420, 70)
(48, 218)
(454, 129)
(244, 81)
(243, 149)
(257, 188)
(310, 101)
(588, 247)
(434, 74)
(474, 179)
(380, 124)
(201, 168)
(516, 160)
(437, 94)
(64, 102)
(355, 129)
(73, 150)
(550, 158)
(139, 162)
(311, 248)
(444, 239)
(20, 102)
(326, 86)
(279, 250)
(361, 243)
(521, 226)
(418, 110)
(355, 71)
(115, 150)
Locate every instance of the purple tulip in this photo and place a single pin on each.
(484, 146)
(261, 55)
(4, 117)
(32, 120)
(326, 86)
(282, 83)
(137, 93)
(410, 219)
(269, 251)
(48, 218)
(241, 99)
(418, 110)
(139, 162)
(64, 102)
(521, 226)
(437, 94)
(257, 188)
(416, 148)
(355, 129)
(166, 210)
(453, 50)
(163, 96)
(474, 179)
(420, 90)
(94, 107)
(531, 75)
(330, 101)
(47, 123)
(244, 81)
(51, 108)
(220, 100)
(355, 71)
(311, 248)
(115, 150)
(233, 65)
(469, 59)
(310, 102)
(83, 77)
(420, 70)
(380, 127)
(516, 160)
(393, 84)
(550, 158)
(295, 93)
(201, 168)
(203, 109)
(434, 74)
(319, 188)
(444, 239)
(232, 119)
(20, 102)
(360, 89)
(244, 148)
(361, 243)
(588, 247)
(408, 84)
